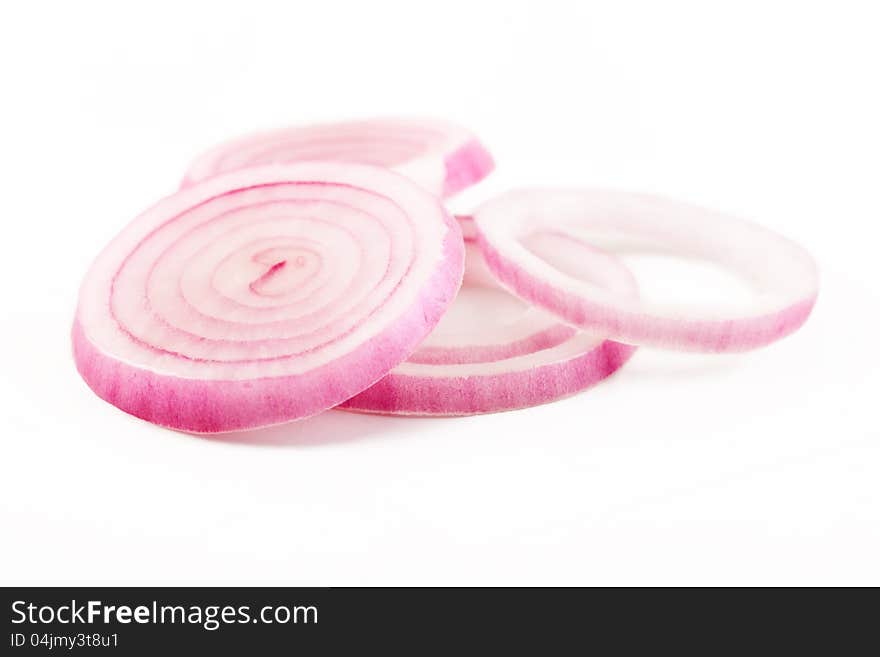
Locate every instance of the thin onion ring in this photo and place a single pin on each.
(194, 316)
(783, 275)
(441, 157)
(501, 355)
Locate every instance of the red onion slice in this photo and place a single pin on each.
(781, 274)
(441, 157)
(265, 295)
(492, 352)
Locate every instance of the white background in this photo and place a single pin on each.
(760, 468)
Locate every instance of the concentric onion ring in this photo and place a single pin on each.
(492, 352)
(265, 295)
(441, 157)
(782, 275)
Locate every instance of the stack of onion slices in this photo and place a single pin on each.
(311, 268)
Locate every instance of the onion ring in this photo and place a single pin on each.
(491, 352)
(265, 295)
(783, 276)
(441, 157)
